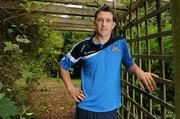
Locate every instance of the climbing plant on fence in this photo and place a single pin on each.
(25, 46)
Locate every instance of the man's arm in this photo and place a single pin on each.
(76, 93)
(145, 78)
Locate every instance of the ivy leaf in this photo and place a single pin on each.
(14, 26)
(10, 31)
(7, 108)
(22, 39)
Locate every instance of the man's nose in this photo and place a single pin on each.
(103, 23)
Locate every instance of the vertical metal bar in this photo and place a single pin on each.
(161, 52)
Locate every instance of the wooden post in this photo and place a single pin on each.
(175, 10)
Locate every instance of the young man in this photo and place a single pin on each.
(101, 56)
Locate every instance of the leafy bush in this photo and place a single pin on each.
(7, 107)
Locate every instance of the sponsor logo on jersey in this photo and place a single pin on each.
(115, 48)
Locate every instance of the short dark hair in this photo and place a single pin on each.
(106, 8)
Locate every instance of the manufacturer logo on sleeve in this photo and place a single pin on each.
(90, 52)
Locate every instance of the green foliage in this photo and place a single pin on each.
(50, 46)
(24, 113)
(9, 46)
(22, 39)
(71, 38)
(8, 108)
(27, 5)
(125, 1)
(25, 50)
(1, 85)
(32, 69)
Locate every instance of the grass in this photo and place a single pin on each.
(76, 82)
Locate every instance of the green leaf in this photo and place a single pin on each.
(10, 31)
(29, 114)
(21, 25)
(22, 39)
(14, 26)
(9, 46)
(8, 89)
(7, 108)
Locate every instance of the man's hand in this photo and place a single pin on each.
(76, 93)
(146, 79)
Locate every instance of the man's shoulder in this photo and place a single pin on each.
(79, 47)
(116, 37)
(83, 42)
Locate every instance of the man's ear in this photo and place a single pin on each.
(114, 24)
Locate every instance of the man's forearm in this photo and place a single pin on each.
(145, 78)
(65, 75)
(134, 69)
(76, 93)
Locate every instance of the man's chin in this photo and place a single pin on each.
(104, 34)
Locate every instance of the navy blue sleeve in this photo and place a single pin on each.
(72, 57)
(126, 58)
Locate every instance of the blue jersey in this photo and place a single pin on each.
(100, 71)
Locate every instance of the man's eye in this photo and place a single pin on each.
(99, 20)
(102, 20)
(108, 20)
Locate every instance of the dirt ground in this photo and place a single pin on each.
(51, 101)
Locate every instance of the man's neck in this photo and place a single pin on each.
(101, 40)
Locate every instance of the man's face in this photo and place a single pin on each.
(104, 23)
